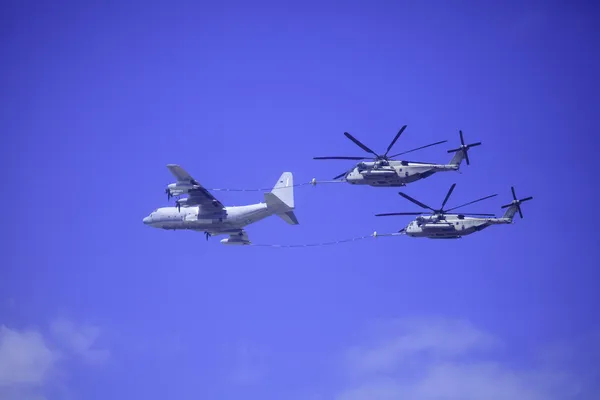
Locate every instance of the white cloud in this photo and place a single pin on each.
(413, 340)
(33, 364)
(445, 359)
(81, 340)
(25, 358)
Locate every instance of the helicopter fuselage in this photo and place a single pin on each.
(393, 173)
(450, 226)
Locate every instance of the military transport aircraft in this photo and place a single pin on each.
(386, 172)
(441, 225)
(202, 212)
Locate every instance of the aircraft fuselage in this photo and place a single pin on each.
(227, 219)
(452, 227)
(394, 174)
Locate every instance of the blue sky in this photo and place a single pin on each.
(98, 98)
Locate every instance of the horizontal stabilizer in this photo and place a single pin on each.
(289, 217)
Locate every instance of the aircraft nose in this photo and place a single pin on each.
(147, 220)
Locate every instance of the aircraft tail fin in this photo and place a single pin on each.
(458, 158)
(284, 189)
(510, 212)
(281, 199)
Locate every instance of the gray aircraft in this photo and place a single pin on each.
(441, 225)
(386, 172)
(202, 212)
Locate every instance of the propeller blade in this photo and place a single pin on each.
(359, 144)
(471, 202)
(419, 148)
(417, 202)
(207, 235)
(395, 139)
(454, 150)
(462, 140)
(340, 158)
(448, 195)
(513, 192)
(466, 153)
(400, 213)
(474, 144)
(520, 212)
(526, 198)
(506, 205)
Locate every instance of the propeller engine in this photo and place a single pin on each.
(381, 159)
(516, 202)
(464, 147)
(179, 203)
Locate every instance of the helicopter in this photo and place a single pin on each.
(384, 171)
(441, 225)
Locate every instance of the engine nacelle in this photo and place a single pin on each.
(177, 189)
(238, 242)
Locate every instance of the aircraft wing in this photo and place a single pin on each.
(198, 196)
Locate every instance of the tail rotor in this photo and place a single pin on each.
(464, 147)
(517, 203)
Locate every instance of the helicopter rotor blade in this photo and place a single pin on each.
(419, 148)
(448, 195)
(340, 175)
(359, 144)
(417, 202)
(471, 202)
(399, 213)
(526, 199)
(462, 139)
(512, 188)
(341, 158)
(395, 139)
(478, 214)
